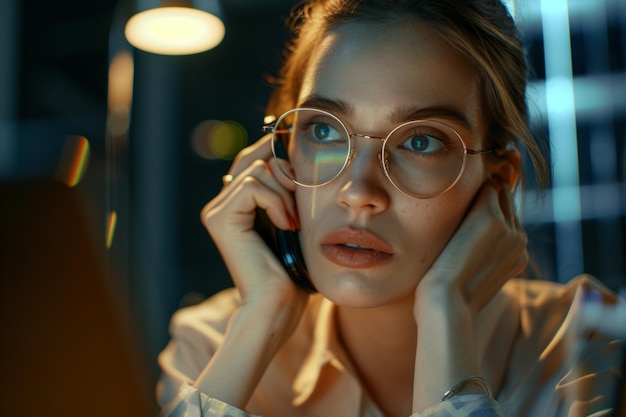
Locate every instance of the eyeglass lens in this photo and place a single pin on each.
(421, 158)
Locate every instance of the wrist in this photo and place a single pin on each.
(441, 302)
(252, 339)
(268, 317)
(276, 316)
(446, 352)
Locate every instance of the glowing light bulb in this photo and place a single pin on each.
(174, 30)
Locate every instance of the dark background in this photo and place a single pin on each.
(53, 83)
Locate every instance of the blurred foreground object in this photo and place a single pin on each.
(65, 348)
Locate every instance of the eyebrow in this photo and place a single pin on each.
(405, 114)
(337, 107)
(399, 115)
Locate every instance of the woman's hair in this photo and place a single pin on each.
(482, 31)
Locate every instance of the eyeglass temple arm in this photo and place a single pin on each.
(479, 151)
(269, 126)
(496, 149)
(271, 129)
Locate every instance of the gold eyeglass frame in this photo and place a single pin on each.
(271, 124)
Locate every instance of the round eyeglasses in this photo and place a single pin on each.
(421, 158)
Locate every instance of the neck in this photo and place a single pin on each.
(381, 344)
(391, 326)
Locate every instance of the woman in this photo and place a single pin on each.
(398, 177)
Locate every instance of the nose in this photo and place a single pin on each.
(363, 185)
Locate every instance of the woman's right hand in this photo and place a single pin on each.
(229, 218)
(271, 303)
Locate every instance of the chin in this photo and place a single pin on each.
(354, 289)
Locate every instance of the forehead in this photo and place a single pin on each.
(378, 68)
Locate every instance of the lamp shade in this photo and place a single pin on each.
(174, 28)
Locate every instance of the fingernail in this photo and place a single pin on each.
(294, 224)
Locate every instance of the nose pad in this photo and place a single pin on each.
(382, 159)
(363, 188)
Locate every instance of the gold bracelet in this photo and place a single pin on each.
(472, 379)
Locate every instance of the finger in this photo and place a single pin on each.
(260, 169)
(271, 176)
(505, 197)
(493, 214)
(486, 202)
(261, 149)
(278, 204)
(489, 281)
(233, 221)
(253, 180)
(235, 210)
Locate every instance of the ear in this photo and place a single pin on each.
(506, 166)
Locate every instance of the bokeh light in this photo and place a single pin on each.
(74, 160)
(215, 139)
(175, 30)
(120, 96)
(111, 223)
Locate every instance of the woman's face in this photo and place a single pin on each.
(373, 77)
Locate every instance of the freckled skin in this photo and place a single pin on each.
(420, 70)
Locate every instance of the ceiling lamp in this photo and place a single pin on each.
(176, 27)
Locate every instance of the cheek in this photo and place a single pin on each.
(431, 223)
(312, 202)
(308, 209)
(304, 204)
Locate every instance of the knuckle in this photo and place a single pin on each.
(209, 209)
(252, 152)
(497, 229)
(258, 165)
(523, 258)
(250, 182)
(244, 158)
(240, 157)
(204, 212)
(207, 217)
(524, 239)
(246, 152)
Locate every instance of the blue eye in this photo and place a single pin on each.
(424, 144)
(323, 132)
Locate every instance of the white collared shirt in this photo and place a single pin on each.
(526, 333)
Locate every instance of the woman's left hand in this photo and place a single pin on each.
(488, 248)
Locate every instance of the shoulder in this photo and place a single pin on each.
(543, 307)
(553, 351)
(547, 295)
(548, 317)
(196, 333)
(207, 319)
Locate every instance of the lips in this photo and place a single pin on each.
(355, 248)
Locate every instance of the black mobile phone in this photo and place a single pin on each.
(286, 247)
(284, 243)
